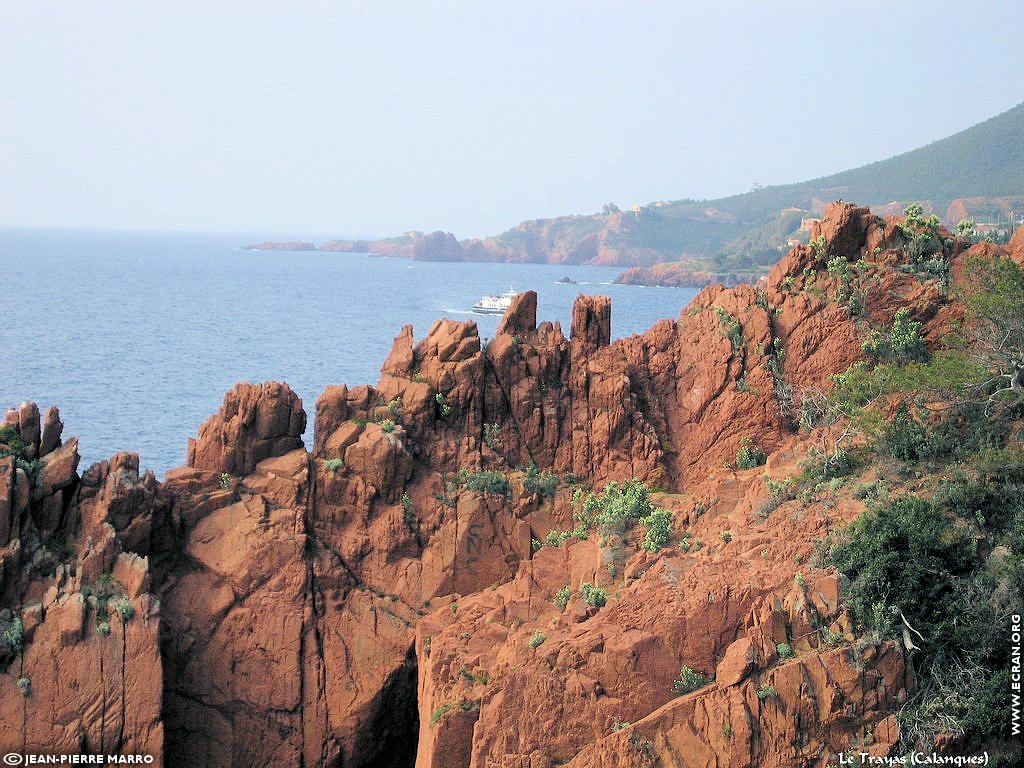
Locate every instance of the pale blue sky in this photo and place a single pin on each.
(318, 119)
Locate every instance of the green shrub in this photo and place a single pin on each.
(11, 439)
(540, 483)
(784, 489)
(965, 229)
(225, 481)
(659, 529)
(732, 329)
(388, 425)
(484, 481)
(785, 650)
(25, 685)
(440, 712)
(689, 681)
(109, 596)
(492, 435)
(821, 468)
(536, 639)
(898, 553)
(13, 636)
(615, 510)
(562, 597)
(593, 595)
(749, 455)
(408, 512)
(123, 605)
(557, 538)
(103, 628)
(839, 268)
(333, 465)
(766, 692)
(901, 343)
(817, 245)
(906, 438)
(443, 406)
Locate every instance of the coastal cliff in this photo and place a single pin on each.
(469, 565)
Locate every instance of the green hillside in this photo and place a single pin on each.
(984, 161)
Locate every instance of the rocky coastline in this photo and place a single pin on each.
(388, 591)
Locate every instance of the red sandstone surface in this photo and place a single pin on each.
(347, 604)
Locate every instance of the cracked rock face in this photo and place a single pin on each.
(380, 600)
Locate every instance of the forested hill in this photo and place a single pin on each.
(976, 173)
(986, 160)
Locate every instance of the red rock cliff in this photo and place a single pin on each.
(378, 600)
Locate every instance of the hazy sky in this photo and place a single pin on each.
(373, 118)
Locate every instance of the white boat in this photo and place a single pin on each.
(495, 305)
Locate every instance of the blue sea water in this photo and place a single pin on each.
(136, 336)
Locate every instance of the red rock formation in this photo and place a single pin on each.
(1016, 246)
(372, 603)
(80, 664)
(256, 421)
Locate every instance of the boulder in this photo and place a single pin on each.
(257, 421)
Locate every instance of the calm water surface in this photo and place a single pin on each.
(136, 336)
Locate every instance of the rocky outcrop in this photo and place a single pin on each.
(255, 422)
(1016, 246)
(290, 245)
(685, 274)
(80, 658)
(435, 246)
(381, 600)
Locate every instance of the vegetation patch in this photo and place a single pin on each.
(562, 596)
(444, 408)
(492, 435)
(659, 529)
(901, 343)
(749, 455)
(12, 444)
(616, 509)
(690, 680)
(541, 483)
(593, 595)
(440, 712)
(732, 329)
(483, 481)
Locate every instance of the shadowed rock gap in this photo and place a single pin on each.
(391, 732)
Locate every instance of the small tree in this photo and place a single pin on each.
(900, 343)
(965, 229)
(995, 298)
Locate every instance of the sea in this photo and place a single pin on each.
(136, 336)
